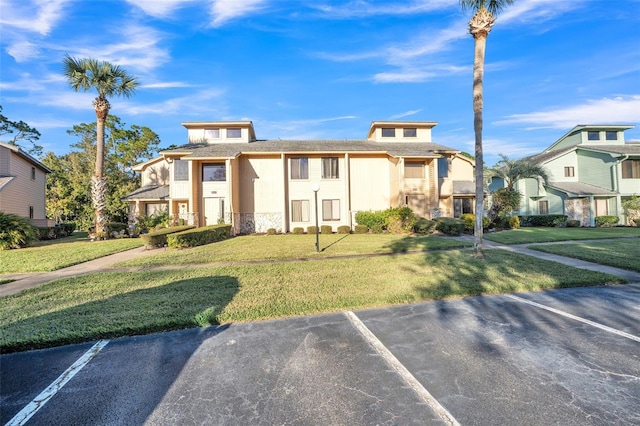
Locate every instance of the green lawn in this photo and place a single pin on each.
(288, 246)
(623, 253)
(111, 304)
(544, 235)
(56, 254)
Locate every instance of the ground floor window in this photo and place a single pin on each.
(543, 207)
(330, 209)
(462, 206)
(300, 210)
(214, 172)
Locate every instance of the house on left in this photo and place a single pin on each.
(22, 184)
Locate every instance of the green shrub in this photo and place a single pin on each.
(344, 229)
(326, 229)
(396, 220)
(311, 229)
(607, 221)
(424, 226)
(158, 219)
(450, 226)
(549, 220)
(637, 222)
(469, 220)
(377, 229)
(159, 238)
(270, 231)
(15, 231)
(360, 229)
(371, 219)
(297, 231)
(514, 222)
(573, 223)
(199, 236)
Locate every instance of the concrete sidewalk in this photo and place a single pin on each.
(24, 281)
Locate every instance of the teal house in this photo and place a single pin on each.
(592, 170)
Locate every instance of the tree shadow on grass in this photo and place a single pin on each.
(425, 243)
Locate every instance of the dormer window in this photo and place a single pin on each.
(411, 132)
(212, 133)
(388, 132)
(611, 136)
(593, 136)
(234, 133)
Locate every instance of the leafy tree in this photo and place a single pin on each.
(479, 27)
(20, 132)
(631, 208)
(108, 80)
(507, 199)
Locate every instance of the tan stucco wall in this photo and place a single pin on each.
(22, 191)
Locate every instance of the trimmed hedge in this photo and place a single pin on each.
(573, 223)
(311, 229)
(344, 229)
(199, 236)
(297, 231)
(159, 238)
(272, 231)
(424, 226)
(469, 220)
(326, 229)
(548, 220)
(450, 226)
(395, 220)
(607, 221)
(360, 229)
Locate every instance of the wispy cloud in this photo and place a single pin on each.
(226, 10)
(620, 109)
(537, 11)
(192, 104)
(160, 8)
(362, 8)
(165, 85)
(23, 51)
(39, 16)
(405, 114)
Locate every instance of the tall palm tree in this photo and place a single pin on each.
(108, 80)
(479, 27)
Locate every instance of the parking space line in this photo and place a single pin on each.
(27, 412)
(408, 378)
(568, 315)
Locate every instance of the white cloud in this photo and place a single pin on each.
(192, 104)
(159, 8)
(23, 51)
(617, 110)
(407, 76)
(164, 85)
(226, 10)
(362, 8)
(537, 11)
(38, 16)
(406, 114)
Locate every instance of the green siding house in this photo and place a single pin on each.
(591, 169)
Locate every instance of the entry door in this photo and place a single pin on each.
(212, 210)
(601, 207)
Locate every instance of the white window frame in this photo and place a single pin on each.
(330, 210)
(330, 168)
(299, 168)
(300, 211)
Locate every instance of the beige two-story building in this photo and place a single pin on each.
(226, 174)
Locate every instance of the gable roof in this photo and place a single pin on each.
(233, 150)
(578, 189)
(626, 149)
(18, 151)
(153, 192)
(595, 127)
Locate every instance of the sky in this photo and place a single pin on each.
(305, 69)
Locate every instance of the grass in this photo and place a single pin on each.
(624, 253)
(51, 255)
(287, 246)
(544, 235)
(112, 304)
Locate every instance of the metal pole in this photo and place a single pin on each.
(317, 230)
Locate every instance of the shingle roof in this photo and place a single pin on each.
(627, 148)
(232, 150)
(154, 192)
(576, 189)
(464, 187)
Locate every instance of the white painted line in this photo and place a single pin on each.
(568, 315)
(402, 370)
(38, 402)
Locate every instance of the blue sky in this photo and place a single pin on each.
(326, 69)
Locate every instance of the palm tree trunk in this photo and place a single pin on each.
(480, 42)
(99, 181)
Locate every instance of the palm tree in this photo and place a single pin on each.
(108, 80)
(479, 27)
(511, 171)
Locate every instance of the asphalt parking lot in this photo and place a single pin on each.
(569, 357)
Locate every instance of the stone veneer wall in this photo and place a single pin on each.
(251, 223)
(578, 209)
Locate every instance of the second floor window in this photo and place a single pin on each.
(411, 132)
(569, 172)
(234, 133)
(631, 169)
(593, 136)
(33, 173)
(413, 170)
(611, 136)
(214, 172)
(388, 132)
(300, 168)
(330, 168)
(180, 170)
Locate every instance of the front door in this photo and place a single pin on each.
(601, 207)
(212, 210)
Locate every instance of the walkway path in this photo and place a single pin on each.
(103, 264)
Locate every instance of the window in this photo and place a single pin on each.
(212, 133)
(30, 212)
(388, 133)
(300, 210)
(462, 206)
(33, 173)
(611, 136)
(410, 133)
(330, 209)
(631, 169)
(543, 207)
(300, 168)
(593, 136)
(214, 172)
(234, 132)
(413, 170)
(330, 168)
(180, 170)
(569, 172)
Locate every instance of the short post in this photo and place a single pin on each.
(316, 188)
